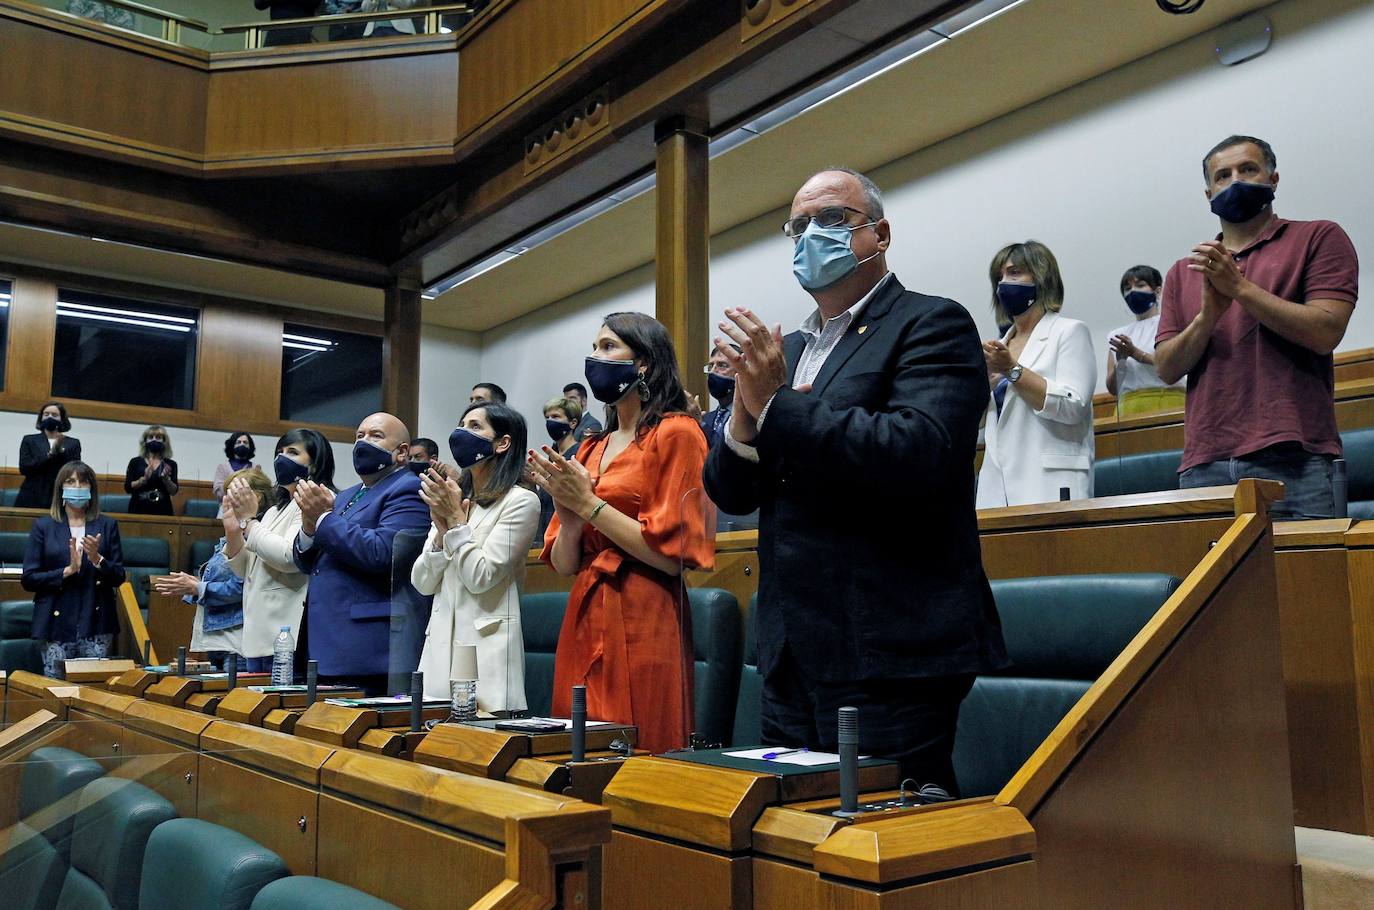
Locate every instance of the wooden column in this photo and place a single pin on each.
(401, 353)
(683, 245)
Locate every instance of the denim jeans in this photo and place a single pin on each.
(1306, 478)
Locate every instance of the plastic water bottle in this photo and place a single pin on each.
(283, 658)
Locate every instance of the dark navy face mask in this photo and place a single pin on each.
(369, 458)
(468, 448)
(720, 387)
(289, 470)
(1015, 298)
(557, 428)
(1241, 201)
(611, 380)
(1140, 301)
(51, 424)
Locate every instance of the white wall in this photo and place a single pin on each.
(450, 363)
(1108, 174)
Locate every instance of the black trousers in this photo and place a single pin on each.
(910, 721)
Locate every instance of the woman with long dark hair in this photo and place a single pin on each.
(630, 516)
(473, 561)
(258, 544)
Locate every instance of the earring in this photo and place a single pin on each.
(643, 390)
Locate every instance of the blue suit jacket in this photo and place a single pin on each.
(348, 604)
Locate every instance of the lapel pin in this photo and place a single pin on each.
(862, 329)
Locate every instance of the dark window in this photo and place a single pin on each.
(329, 377)
(125, 351)
(6, 295)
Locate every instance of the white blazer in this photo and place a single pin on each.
(1028, 455)
(476, 574)
(273, 588)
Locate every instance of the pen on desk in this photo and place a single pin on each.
(769, 756)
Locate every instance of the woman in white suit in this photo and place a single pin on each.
(1039, 429)
(473, 561)
(259, 549)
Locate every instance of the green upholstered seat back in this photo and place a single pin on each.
(1147, 472)
(115, 502)
(12, 544)
(1061, 632)
(31, 872)
(113, 824)
(201, 508)
(1358, 446)
(193, 863)
(198, 554)
(9, 497)
(145, 556)
(18, 651)
(51, 778)
(541, 617)
(305, 892)
(717, 646)
(749, 701)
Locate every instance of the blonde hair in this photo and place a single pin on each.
(83, 472)
(1036, 260)
(143, 441)
(567, 406)
(259, 483)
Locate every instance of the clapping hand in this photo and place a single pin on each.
(1219, 267)
(241, 500)
(447, 506)
(178, 584)
(566, 480)
(314, 500)
(759, 367)
(91, 544)
(1123, 347)
(998, 357)
(73, 558)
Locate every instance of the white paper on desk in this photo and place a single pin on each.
(804, 759)
(567, 724)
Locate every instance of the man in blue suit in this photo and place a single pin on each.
(345, 547)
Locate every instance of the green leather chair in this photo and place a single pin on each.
(749, 702)
(115, 502)
(144, 557)
(31, 872)
(12, 546)
(1359, 468)
(541, 617)
(50, 779)
(717, 651)
(1147, 472)
(201, 508)
(9, 497)
(305, 892)
(198, 555)
(18, 650)
(115, 820)
(193, 863)
(1061, 632)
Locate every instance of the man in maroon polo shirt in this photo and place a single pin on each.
(1252, 318)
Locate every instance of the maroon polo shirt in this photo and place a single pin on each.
(1252, 388)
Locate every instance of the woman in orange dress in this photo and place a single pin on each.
(630, 515)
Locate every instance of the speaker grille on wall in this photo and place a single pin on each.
(1244, 39)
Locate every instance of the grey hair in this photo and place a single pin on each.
(873, 197)
(1271, 160)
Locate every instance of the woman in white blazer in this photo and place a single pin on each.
(1038, 434)
(259, 547)
(473, 561)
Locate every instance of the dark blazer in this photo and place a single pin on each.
(152, 498)
(587, 425)
(709, 420)
(869, 560)
(39, 462)
(68, 609)
(348, 603)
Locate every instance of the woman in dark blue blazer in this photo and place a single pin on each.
(73, 564)
(42, 455)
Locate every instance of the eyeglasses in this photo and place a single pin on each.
(831, 216)
(721, 368)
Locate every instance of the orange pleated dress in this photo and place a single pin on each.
(627, 634)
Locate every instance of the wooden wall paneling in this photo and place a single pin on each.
(60, 87)
(165, 768)
(1360, 544)
(238, 372)
(452, 871)
(264, 807)
(682, 877)
(1321, 684)
(682, 245)
(397, 109)
(32, 334)
(401, 353)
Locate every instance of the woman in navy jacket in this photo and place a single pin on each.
(73, 564)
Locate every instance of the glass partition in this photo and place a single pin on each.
(139, 18)
(352, 20)
(328, 376)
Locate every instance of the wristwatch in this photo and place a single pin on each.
(1014, 374)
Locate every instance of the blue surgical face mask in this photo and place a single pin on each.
(76, 496)
(720, 387)
(611, 380)
(1140, 302)
(557, 428)
(289, 470)
(369, 458)
(1241, 201)
(825, 256)
(1015, 298)
(468, 448)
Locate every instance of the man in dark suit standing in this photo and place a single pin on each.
(345, 547)
(720, 382)
(855, 437)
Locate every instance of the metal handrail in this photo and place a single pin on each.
(253, 31)
(171, 22)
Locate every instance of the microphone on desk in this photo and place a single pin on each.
(849, 761)
(231, 666)
(312, 681)
(181, 660)
(417, 701)
(1340, 488)
(579, 723)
